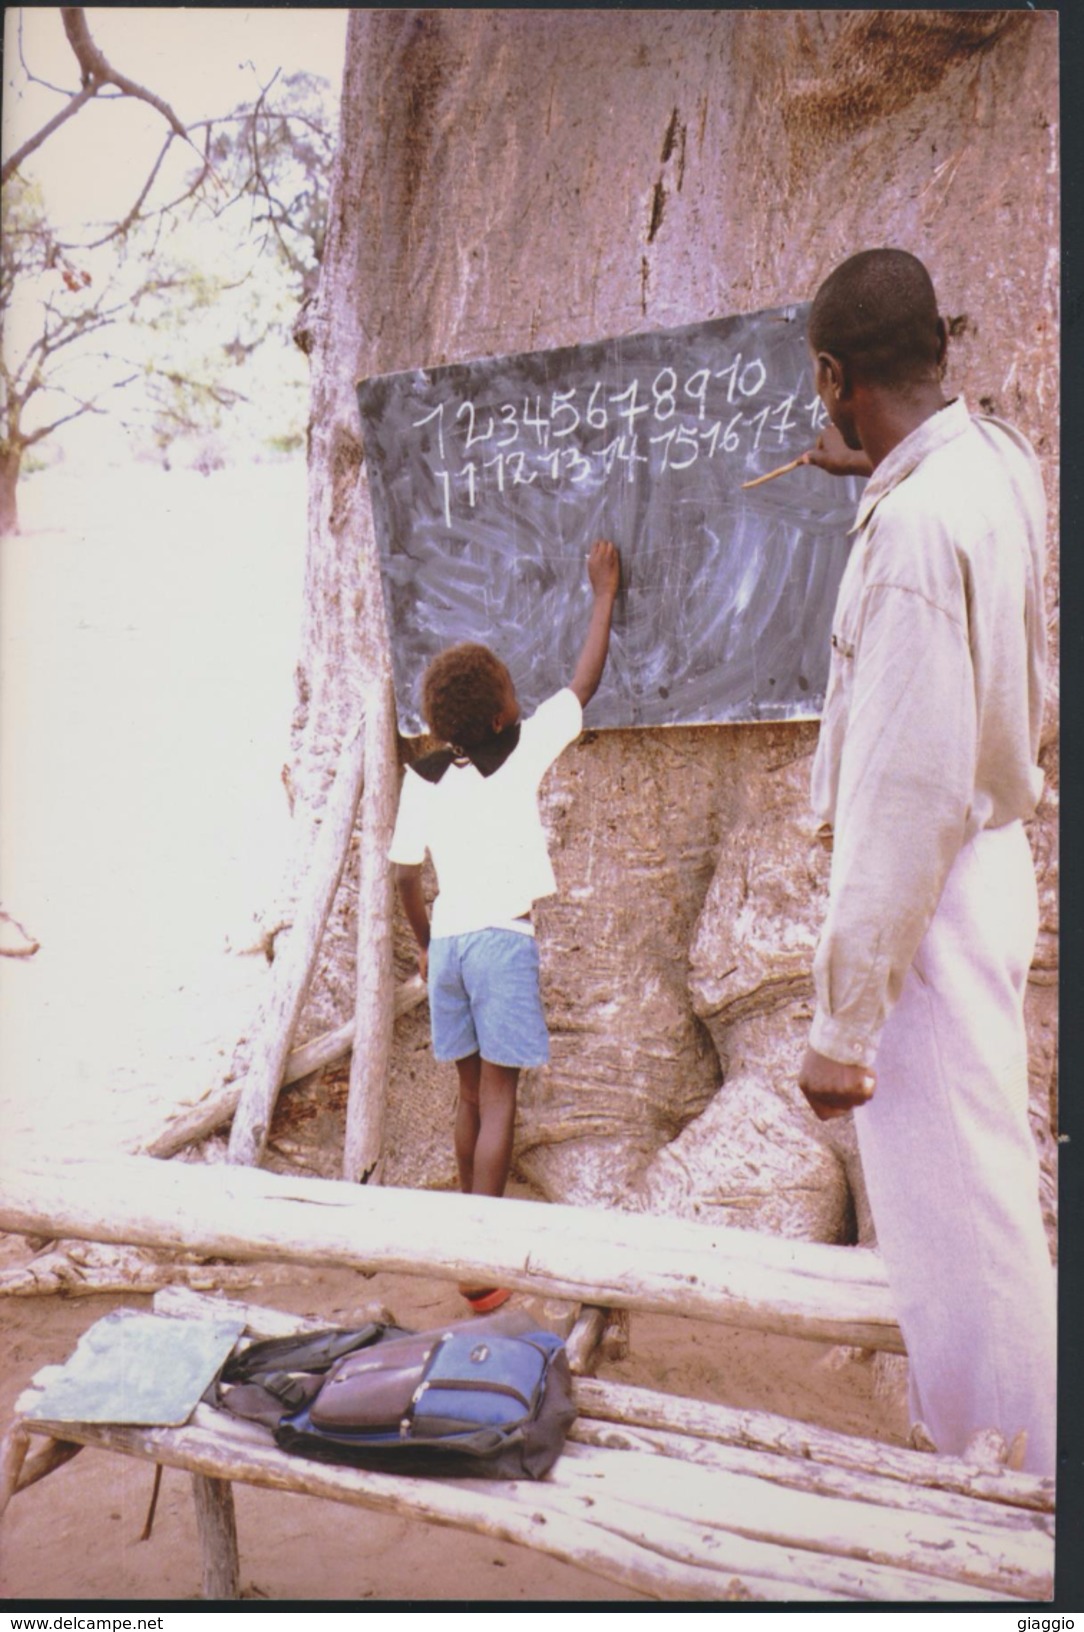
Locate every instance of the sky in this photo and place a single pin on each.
(201, 61)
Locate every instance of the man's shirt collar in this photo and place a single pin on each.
(942, 427)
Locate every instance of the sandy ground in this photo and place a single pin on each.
(146, 645)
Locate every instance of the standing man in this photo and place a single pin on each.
(926, 771)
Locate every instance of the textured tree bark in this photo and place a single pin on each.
(11, 460)
(512, 179)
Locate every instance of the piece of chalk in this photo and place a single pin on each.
(772, 474)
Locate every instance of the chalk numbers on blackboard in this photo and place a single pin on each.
(587, 435)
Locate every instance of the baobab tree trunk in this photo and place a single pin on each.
(11, 459)
(514, 179)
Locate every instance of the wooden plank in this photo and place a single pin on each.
(296, 958)
(374, 980)
(623, 1260)
(625, 1405)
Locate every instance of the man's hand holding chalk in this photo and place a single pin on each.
(802, 459)
(831, 454)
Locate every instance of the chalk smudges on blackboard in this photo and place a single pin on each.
(490, 479)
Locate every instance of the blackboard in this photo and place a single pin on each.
(490, 479)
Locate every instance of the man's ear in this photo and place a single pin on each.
(942, 346)
(831, 376)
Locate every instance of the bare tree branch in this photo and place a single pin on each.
(97, 72)
(12, 164)
(30, 944)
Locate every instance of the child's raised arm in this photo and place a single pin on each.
(604, 572)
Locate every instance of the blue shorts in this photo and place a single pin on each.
(484, 998)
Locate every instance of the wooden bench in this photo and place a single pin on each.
(675, 1498)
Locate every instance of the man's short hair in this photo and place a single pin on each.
(462, 690)
(877, 312)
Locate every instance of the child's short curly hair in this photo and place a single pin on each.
(462, 690)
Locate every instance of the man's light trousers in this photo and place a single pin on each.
(951, 1164)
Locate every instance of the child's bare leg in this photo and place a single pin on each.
(467, 1119)
(497, 1117)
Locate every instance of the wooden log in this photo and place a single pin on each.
(179, 1303)
(627, 1406)
(846, 1518)
(45, 1459)
(13, 1448)
(291, 972)
(667, 1265)
(703, 1513)
(25, 945)
(218, 1105)
(69, 1273)
(663, 1563)
(820, 1478)
(216, 1526)
(375, 972)
(582, 1343)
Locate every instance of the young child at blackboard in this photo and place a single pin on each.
(474, 807)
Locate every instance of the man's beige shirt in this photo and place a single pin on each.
(931, 722)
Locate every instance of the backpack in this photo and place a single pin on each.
(489, 1397)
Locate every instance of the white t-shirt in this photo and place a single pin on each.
(484, 833)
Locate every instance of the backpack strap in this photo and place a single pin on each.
(279, 1374)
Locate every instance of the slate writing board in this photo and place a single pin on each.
(137, 1367)
(490, 480)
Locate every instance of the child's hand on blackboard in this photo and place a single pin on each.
(604, 569)
(833, 455)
